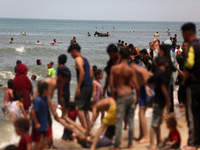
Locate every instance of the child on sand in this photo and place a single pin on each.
(98, 88)
(160, 100)
(15, 108)
(173, 141)
(22, 126)
(8, 96)
(51, 71)
(72, 114)
(39, 114)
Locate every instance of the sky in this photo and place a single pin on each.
(122, 10)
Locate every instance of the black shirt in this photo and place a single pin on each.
(158, 79)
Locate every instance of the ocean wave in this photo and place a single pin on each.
(20, 49)
(7, 74)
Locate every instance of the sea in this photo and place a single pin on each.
(24, 48)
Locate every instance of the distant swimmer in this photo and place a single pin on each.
(156, 35)
(23, 33)
(11, 40)
(39, 43)
(73, 41)
(108, 33)
(54, 42)
(88, 34)
(113, 28)
(169, 32)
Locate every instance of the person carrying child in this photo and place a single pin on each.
(39, 114)
(15, 108)
(22, 126)
(160, 100)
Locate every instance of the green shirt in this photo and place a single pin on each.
(52, 72)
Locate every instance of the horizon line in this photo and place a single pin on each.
(94, 20)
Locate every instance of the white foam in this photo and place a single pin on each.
(20, 49)
(7, 74)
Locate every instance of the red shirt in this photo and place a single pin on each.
(72, 115)
(24, 141)
(174, 135)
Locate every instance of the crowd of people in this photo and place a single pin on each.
(132, 76)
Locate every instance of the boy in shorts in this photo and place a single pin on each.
(84, 88)
(39, 114)
(160, 100)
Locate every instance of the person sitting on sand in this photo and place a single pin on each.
(11, 40)
(72, 113)
(15, 108)
(54, 42)
(22, 126)
(173, 141)
(51, 71)
(109, 105)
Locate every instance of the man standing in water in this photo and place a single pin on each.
(123, 79)
(84, 87)
(192, 81)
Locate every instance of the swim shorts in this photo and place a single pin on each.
(36, 135)
(83, 101)
(157, 115)
(110, 118)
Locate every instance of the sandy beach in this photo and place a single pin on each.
(182, 127)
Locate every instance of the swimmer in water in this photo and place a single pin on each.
(54, 42)
(108, 34)
(11, 40)
(88, 34)
(38, 43)
(169, 32)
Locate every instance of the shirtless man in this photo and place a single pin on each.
(54, 42)
(84, 87)
(109, 105)
(123, 79)
(54, 83)
(11, 40)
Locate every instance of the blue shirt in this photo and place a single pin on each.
(40, 106)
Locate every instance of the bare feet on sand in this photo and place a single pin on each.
(143, 140)
(130, 147)
(190, 147)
